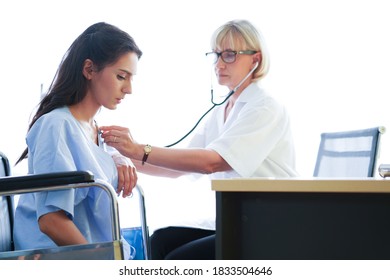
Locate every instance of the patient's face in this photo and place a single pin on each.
(109, 86)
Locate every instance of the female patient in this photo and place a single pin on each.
(96, 71)
(248, 136)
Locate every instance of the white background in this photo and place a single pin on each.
(329, 67)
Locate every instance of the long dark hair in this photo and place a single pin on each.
(103, 44)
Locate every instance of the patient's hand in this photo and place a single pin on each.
(127, 175)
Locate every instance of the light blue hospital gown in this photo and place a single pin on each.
(56, 143)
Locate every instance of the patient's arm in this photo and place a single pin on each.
(61, 229)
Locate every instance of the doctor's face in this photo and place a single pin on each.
(231, 70)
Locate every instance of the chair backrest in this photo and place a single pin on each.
(6, 210)
(4, 166)
(348, 153)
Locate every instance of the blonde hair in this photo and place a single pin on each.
(242, 34)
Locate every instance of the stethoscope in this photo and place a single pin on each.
(215, 104)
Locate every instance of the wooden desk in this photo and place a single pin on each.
(302, 218)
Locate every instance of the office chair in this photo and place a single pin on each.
(14, 185)
(348, 153)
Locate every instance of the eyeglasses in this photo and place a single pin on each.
(227, 56)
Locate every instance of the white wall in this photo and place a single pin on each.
(329, 66)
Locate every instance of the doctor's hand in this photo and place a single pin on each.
(120, 138)
(127, 175)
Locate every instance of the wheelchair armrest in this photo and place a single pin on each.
(13, 183)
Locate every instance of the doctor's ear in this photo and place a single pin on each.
(257, 58)
(88, 69)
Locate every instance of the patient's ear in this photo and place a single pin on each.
(88, 69)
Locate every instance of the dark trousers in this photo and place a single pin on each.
(182, 243)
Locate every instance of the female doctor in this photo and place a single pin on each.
(96, 71)
(249, 136)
